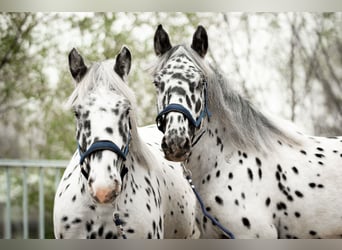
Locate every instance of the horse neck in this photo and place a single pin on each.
(134, 168)
(213, 146)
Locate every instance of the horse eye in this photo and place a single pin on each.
(198, 85)
(156, 83)
(129, 124)
(76, 113)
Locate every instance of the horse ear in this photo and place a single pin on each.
(161, 41)
(200, 41)
(76, 65)
(123, 62)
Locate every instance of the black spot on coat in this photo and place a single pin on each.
(258, 162)
(299, 194)
(246, 222)
(268, 201)
(250, 174)
(219, 200)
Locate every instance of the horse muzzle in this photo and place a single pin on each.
(176, 148)
(106, 194)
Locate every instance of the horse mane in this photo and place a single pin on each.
(246, 127)
(103, 73)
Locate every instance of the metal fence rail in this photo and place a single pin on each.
(9, 165)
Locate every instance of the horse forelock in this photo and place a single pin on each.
(179, 50)
(101, 75)
(246, 126)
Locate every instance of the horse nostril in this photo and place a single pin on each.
(163, 144)
(186, 144)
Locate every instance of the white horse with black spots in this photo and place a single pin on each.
(258, 177)
(114, 171)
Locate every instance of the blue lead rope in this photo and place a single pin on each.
(206, 214)
(118, 224)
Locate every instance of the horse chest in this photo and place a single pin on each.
(76, 215)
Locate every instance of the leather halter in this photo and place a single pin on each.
(174, 107)
(104, 145)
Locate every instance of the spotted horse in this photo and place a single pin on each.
(115, 171)
(258, 176)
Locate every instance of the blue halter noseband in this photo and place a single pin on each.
(104, 145)
(174, 107)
